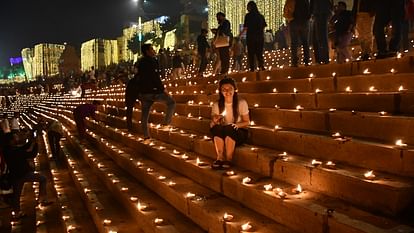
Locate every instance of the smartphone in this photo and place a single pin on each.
(34, 134)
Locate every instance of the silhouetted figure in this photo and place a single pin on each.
(254, 24)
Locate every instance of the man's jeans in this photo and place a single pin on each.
(147, 100)
(299, 32)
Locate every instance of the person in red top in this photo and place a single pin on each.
(81, 112)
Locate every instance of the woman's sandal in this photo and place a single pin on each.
(226, 164)
(218, 164)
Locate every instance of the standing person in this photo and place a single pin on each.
(17, 153)
(254, 24)
(202, 47)
(297, 13)
(178, 65)
(152, 89)
(364, 13)
(224, 29)
(237, 49)
(321, 11)
(343, 32)
(229, 119)
(268, 40)
(280, 37)
(81, 112)
(54, 134)
(131, 95)
(385, 12)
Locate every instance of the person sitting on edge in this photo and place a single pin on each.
(229, 121)
(81, 112)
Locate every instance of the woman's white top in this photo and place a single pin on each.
(228, 111)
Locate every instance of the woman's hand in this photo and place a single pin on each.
(216, 120)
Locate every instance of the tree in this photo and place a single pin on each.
(169, 24)
(153, 37)
(134, 44)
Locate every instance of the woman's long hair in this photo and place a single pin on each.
(235, 104)
(252, 7)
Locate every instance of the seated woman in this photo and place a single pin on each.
(230, 117)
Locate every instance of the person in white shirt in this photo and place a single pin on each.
(229, 121)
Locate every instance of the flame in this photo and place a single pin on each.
(246, 226)
(369, 174)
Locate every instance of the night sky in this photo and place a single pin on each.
(24, 23)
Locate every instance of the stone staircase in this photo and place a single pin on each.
(323, 127)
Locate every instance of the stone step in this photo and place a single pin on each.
(311, 145)
(305, 205)
(390, 82)
(106, 213)
(206, 209)
(359, 124)
(392, 102)
(298, 169)
(127, 191)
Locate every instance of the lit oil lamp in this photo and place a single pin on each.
(330, 165)
(150, 170)
(227, 217)
(107, 221)
(256, 105)
(246, 227)
(246, 180)
(142, 206)
(274, 90)
(400, 143)
(295, 90)
(336, 135)
(299, 108)
(230, 173)
(366, 71)
(402, 89)
(190, 195)
(318, 91)
(332, 109)
(185, 157)
(133, 199)
(268, 187)
(369, 175)
(124, 189)
(162, 177)
(158, 221)
(176, 152)
(200, 163)
(316, 162)
(348, 89)
(372, 89)
(297, 190)
(280, 193)
(277, 127)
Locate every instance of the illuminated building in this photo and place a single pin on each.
(28, 55)
(46, 59)
(98, 53)
(235, 11)
(143, 28)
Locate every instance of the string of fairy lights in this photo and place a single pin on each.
(235, 11)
